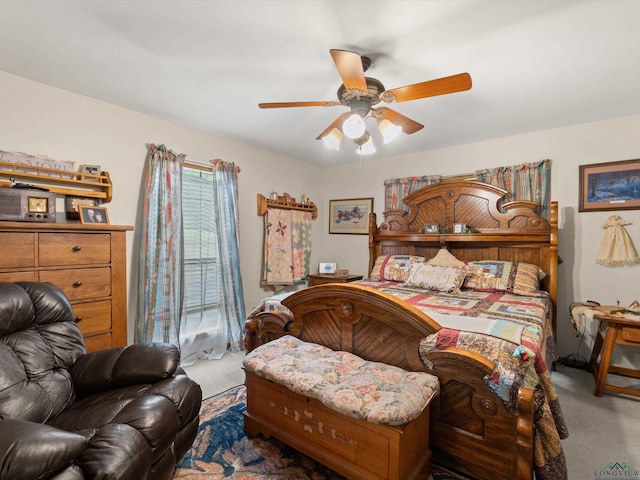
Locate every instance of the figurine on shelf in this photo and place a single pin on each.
(273, 195)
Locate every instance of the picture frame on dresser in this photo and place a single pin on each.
(89, 215)
(72, 202)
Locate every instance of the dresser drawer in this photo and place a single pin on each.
(631, 334)
(98, 342)
(80, 283)
(73, 249)
(18, 250)
(93, 316)
(18, 276)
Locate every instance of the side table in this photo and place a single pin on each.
(322, 278)
(615, 329)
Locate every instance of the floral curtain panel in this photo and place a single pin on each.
(395, 189)
(225, 187)
(160, 283)
(527, 181)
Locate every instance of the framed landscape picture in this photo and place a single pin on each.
(610, 186)
(350, 215)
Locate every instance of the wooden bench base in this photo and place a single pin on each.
(351, 447)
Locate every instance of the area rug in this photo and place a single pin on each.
(223, 451)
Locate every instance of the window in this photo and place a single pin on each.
(201, 282)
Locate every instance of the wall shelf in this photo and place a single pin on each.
(62, 182)
(264, 203)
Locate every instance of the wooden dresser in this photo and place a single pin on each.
(87, 261)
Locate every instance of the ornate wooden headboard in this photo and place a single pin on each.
(510, 231)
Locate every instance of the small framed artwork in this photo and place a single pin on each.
(431, 228)
(459, 227)
(71, 204)
(350, 215)
(610, 186)
(90, 214)
(92, 170)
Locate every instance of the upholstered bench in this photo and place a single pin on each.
(365, 420)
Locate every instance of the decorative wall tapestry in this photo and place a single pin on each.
(287, 246)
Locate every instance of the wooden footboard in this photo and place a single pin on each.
(468, 421)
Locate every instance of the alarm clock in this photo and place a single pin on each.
(27, 205)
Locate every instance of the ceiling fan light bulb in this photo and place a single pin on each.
(333, 138)
(354, 127)
(366, 148)
(389, 130)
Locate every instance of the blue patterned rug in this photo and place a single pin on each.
(223, 451)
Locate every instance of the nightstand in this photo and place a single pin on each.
(615, 329)
(322, 278)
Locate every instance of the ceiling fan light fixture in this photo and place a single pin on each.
(367, 147)
(333, 138)
(389, 130)
(354, 127)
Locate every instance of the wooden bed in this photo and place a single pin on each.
(468, 422)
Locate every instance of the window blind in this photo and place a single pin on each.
(201, 282)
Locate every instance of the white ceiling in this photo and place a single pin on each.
(535, 65)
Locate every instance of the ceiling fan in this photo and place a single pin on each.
(360, 94)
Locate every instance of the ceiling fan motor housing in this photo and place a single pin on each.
(358, 101)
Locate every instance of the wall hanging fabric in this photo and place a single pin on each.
(617, 248)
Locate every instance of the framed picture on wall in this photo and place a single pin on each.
(350, 215)
(610, 186)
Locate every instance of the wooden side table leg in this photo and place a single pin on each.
(603, 370)
(595, 352)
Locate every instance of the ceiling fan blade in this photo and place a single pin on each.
(328, 103)
(431, 88)
(349, 66)
(336, 123)
(408, 126)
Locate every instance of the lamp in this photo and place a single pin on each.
(353, 127)
(365, 145)
(333, 138)
(389, 130)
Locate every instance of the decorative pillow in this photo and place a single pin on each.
(444, 258)
(435, 277)
(394, 267)
(503, 276)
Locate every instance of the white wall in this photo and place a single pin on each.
(38, 119)
(580, 278)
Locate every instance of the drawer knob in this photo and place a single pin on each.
(77, 284)
(77, 248)
(78, 319)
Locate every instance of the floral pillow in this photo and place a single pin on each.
(394, 267)
(503, 276)
(435, 277)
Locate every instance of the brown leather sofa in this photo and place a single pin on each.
(124, 413)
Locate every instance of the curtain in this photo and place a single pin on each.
(225, 201)
(160, 280)
(527, 181)
(395, 189)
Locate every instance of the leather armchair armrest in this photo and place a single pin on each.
(31, 450)
(141, 363)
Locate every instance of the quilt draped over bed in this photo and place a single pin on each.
(287, 246)
(512, 331)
